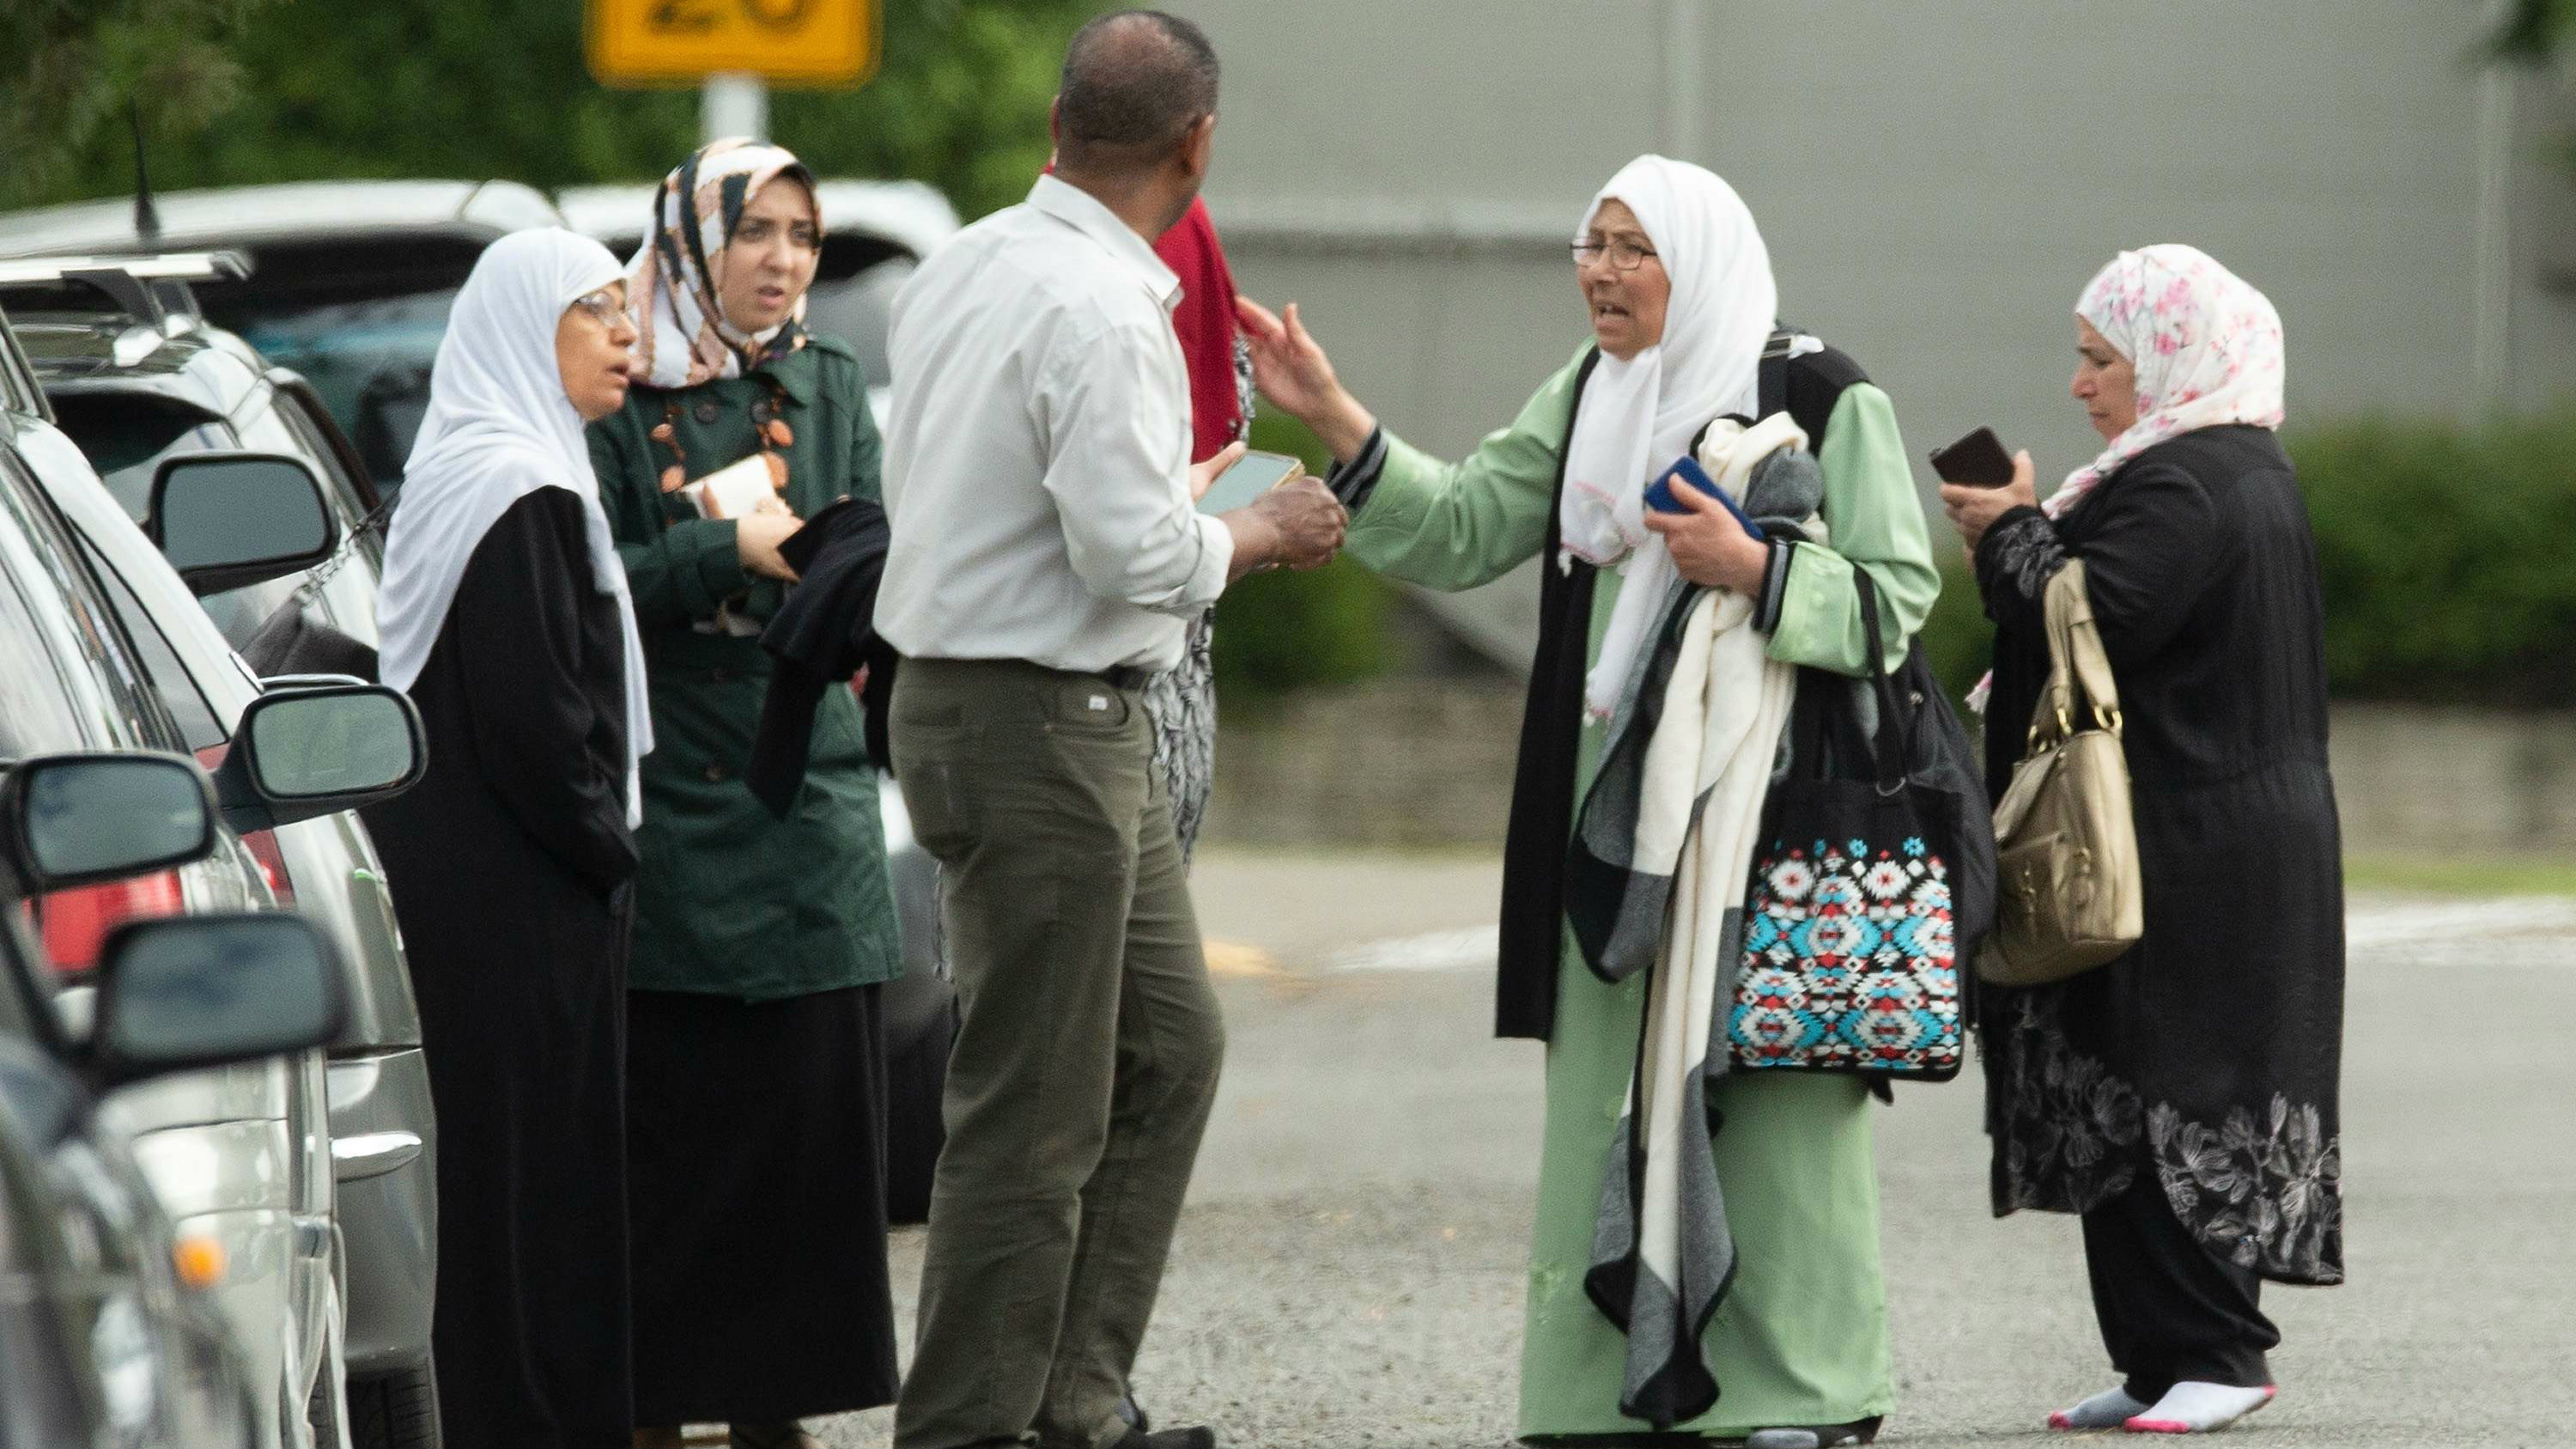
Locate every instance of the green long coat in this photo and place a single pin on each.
(732, 901)
(1802, 1335)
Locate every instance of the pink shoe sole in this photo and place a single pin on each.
(2144, 1425)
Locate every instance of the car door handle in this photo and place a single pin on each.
(372, 1154)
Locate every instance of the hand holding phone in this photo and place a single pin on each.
(1248, 478)
(1976, 461)
(1659, 494)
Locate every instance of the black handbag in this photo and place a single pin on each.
(291, 641)
(1876, 852)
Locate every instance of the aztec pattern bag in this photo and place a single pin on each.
(1851, 919)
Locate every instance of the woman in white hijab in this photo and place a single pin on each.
(505, 616)
(1792, 1349)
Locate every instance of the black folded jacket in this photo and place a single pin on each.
(823, 634)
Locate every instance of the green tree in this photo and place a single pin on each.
(2535, 30)
(485, 88)
(75, 64)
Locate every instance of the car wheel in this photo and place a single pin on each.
(398, 1410)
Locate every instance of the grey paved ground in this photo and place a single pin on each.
(1349, 1273)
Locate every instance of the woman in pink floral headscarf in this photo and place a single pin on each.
(2183, 1098)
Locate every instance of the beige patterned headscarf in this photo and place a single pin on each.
(682, 337)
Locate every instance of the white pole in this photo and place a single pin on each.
(2491, 316)
(1682, 32)
(733, 105)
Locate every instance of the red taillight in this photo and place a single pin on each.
(272, 864)
(75, 921)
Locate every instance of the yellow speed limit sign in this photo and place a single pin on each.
(679, 42)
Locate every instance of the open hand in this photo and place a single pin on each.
(1290, 368)
(1973, 510)
(1710, 548)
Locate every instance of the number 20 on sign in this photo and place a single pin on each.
(680, 42)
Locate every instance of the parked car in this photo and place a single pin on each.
(116, 382)
(349, 283)
(243, 1154)
(109, 1338)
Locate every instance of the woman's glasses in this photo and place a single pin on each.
(1625, 256)
(602, 305)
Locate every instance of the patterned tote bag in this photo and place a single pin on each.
(1851, 919)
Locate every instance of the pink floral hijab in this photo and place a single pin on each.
(2206, 345)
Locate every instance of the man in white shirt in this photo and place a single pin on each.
(1046, 556)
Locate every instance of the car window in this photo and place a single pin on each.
(67, 678)
(128, 435)
(368, 359)
(347, 498)
(189, 709)
(347, 597)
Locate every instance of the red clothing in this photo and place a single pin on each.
(1205, 323)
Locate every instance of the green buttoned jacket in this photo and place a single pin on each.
(732, 901)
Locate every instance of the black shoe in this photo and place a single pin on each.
(1192, 1438)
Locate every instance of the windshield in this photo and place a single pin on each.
(368, 361)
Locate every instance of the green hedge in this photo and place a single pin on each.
(2448, 557)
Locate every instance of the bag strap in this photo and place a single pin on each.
(2079, 669)
(1889, 746)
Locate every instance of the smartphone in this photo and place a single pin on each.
(1659, 494)
(1248, 478)
(1978, 460)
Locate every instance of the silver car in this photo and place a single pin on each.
(249, 1149)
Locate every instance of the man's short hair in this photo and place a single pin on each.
(1133, 82)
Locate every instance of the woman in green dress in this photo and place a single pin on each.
(1682, 304)
(755, 1066)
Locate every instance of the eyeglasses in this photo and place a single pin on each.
(1625, 256)
(602, 305)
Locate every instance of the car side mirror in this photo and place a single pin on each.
(177, 992)
(78, 819)
(309, 751)
(229, 520)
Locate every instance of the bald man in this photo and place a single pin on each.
(1046, 555)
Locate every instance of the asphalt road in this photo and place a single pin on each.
(1350, 1270)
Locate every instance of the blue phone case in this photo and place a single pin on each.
(1659, 495)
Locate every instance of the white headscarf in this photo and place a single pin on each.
(1638, 414)
(2206, 347)
(500, 427)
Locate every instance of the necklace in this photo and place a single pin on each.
(768, 426)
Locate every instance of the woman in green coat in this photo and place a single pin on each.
(755, 1064)
(1682, 304)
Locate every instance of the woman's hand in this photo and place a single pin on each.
(1710, 548)
(1973, 510)
(756, 538)
(1290, 368)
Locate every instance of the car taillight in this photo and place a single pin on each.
(75, 921)
(272, 864)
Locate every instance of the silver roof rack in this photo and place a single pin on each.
(153, 290)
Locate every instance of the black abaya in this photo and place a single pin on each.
(2204, 1062)
(755, 1134)
(509, 866)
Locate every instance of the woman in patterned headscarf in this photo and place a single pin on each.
(2181, 1098)
(755, 1064)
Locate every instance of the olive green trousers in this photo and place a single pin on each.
(1087, 1058)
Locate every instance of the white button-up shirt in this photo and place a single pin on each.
(1037, 449)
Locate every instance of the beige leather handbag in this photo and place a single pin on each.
(2069, 897)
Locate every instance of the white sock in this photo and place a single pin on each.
(2108, 1409)
(2198, 1408)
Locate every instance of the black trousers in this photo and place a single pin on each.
(2171, 1311)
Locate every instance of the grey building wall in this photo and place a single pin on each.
(1936, 179)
